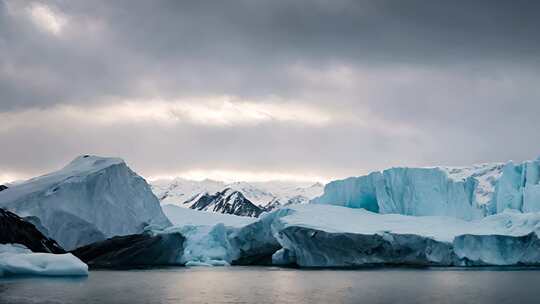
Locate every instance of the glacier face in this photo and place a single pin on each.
(90, 199)
(467, 193)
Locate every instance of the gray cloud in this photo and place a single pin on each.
(427, 81)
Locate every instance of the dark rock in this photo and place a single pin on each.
(15, 230)
(134, 250)
(3, 187)
(227, 201)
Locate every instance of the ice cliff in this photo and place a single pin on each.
(467, 193)
(90, 199)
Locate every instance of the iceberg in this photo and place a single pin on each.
(90, 199)
(333, 236)
(16, 259)
(318, 235)
(213, 239)
(467, 193)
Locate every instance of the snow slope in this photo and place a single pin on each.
(90, 199)
(179, 190)
(466, 193)
(180, 216)
(16, 259)
(440, 228)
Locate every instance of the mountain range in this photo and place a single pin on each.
(238, 198)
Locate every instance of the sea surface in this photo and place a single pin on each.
(280, 285)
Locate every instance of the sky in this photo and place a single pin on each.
(261, 90)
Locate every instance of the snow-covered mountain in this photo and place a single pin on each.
(227, 201)
(466, 192)
(179, 190)
(90, 199)
(265, 196)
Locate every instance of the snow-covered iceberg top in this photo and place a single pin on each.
(16, 259)
(81, 166)
(337, 219)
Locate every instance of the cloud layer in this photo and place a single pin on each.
(288, 88)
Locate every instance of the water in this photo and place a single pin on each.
(277, 285)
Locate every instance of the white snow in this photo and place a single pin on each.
(180, 216)
(16, 259)
(486, 175)
(180, 190)
(347, 220)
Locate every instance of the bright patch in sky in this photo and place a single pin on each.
(219, 111)
(235, 176)
(47, 19)
(7, 178)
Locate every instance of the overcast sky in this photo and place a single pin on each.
(310, 90)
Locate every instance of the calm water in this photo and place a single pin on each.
(276, 285)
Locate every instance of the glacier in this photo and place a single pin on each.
(467, 193)
(90, 199)
(16, 259)
(316, 235)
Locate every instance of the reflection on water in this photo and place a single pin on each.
(278, 285)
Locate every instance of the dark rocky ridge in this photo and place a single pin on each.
(3, 187)
(16, 230)
(134, 250)
(227, 201)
